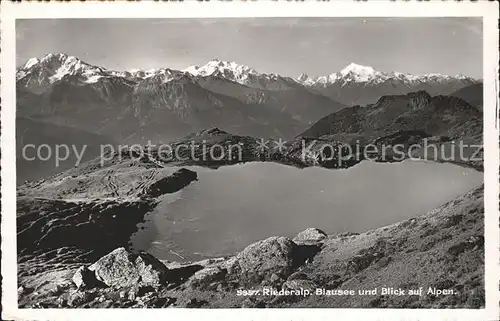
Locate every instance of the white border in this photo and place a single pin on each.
(10, 11)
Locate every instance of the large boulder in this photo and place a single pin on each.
(151, 270)
(116, 269)
(260, 260)
(310, 236)
(122, 269)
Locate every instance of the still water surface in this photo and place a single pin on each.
(233, 206)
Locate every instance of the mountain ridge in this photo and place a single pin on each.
(358, 85)
(242, 73)
(362, 73)
(163, 104)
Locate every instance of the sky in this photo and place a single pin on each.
(287, 46)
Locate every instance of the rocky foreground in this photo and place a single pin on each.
(73, 252)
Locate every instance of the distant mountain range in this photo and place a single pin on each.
(163, 104)
(360, 85)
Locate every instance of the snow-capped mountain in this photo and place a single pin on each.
(57, 66)
(357, 84)
(39, 73)
(241, 74)
(53, 67)
(166, 74)
(366, 74)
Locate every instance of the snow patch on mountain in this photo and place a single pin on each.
(359, 73)
(31, 62)
(305, 79)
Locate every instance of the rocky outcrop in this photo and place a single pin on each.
(78, 217)
(47, 225)
(274, 257)
(91, 225)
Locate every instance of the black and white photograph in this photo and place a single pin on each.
(250, 162)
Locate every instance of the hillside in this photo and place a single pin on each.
(472, 94)
(29, 131)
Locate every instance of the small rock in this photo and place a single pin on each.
(230, 264)
(143, 290)
(131, 295)
(105, 304)
(299, 284)
(161, 302)
(346, 234)
(274, 278)
(251, 303)
(310, 236)
(362, 261)
(298, 276)
(195, 303)
(61, 302)
(78, 298)
(473, 242)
